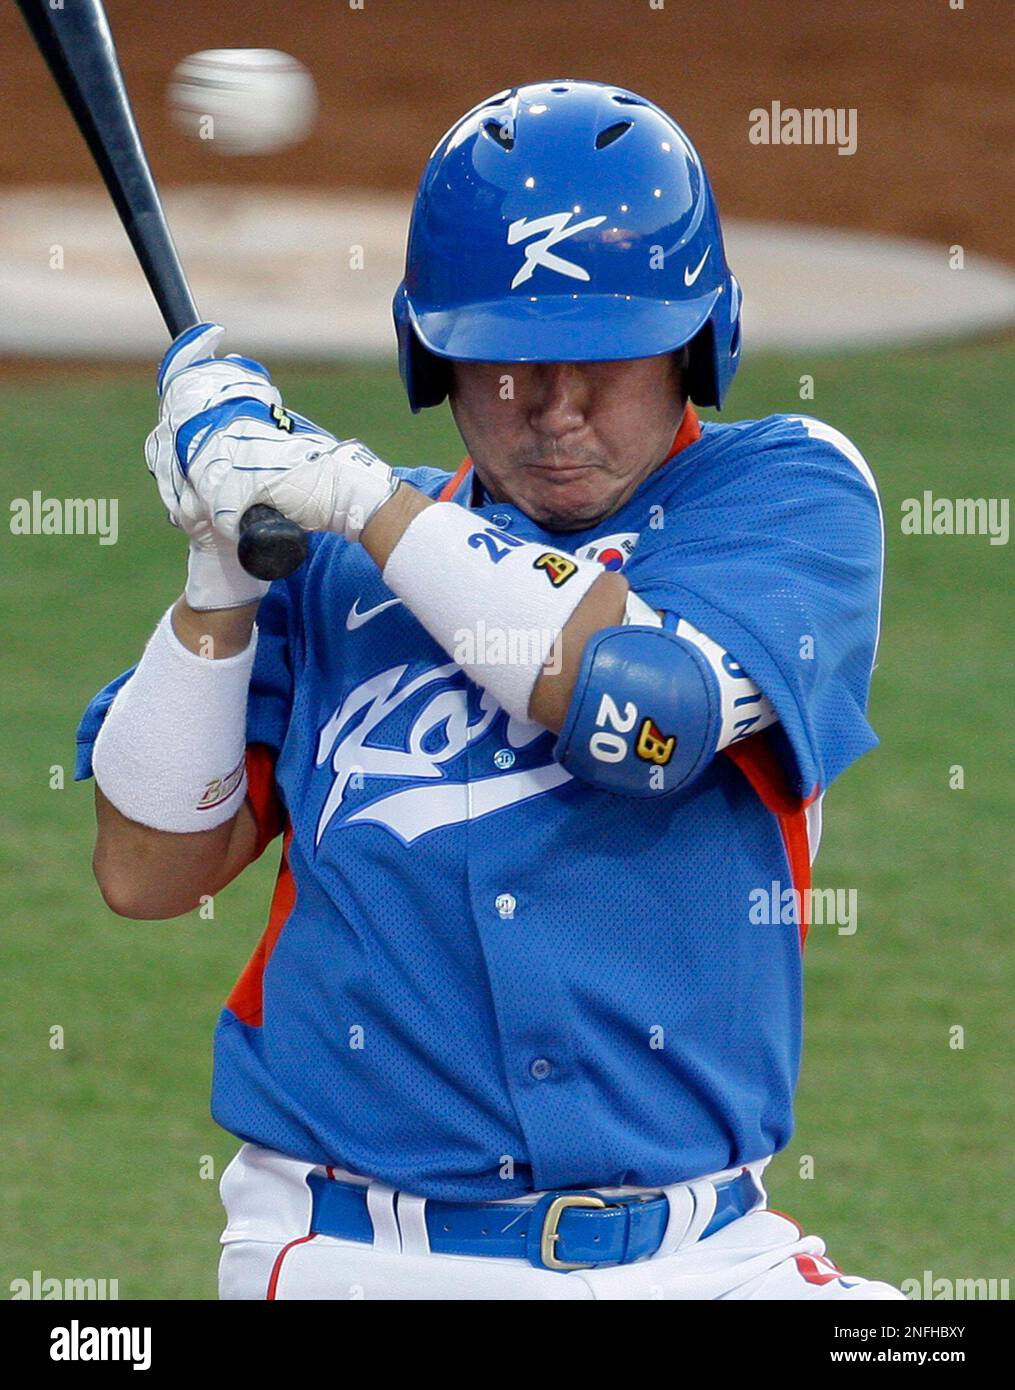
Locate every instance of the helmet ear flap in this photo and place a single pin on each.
(699, 373)
(426, 378)
(715, 351)
(430, 375)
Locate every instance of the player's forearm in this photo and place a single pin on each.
(602, 605)
(214, 634)
(390, 522)
(151, 875)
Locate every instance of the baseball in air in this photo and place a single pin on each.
(243, 100)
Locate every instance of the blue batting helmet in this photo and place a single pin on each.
(565, 222)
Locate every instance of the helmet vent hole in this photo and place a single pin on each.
(560, 89)
(612, 133)
(501, 133)
(622, 99)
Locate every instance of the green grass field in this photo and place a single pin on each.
(107, 1139)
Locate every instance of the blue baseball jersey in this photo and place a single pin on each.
(483, 977)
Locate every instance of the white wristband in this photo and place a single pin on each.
(171, 753)
(496, 604)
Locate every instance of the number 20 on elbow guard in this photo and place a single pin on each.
(608, 744)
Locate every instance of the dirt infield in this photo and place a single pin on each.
(928, 83)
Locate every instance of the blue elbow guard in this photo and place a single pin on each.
(645, 716)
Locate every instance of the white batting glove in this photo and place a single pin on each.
(224, 442)
(190, 380)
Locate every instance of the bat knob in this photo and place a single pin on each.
(270, 545)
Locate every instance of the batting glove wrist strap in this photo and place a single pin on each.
(216, 579)
(171, 753)
(496, 604)
(379, 491)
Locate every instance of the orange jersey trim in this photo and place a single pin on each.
(262, 797)
(755, 759)
(246, 1000)
(455, 481)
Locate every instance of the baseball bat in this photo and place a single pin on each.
(75, 40)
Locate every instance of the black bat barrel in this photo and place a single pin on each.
(76, 42)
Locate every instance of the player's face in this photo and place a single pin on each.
(567, 442)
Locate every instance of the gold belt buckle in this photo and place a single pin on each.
(551, 1221)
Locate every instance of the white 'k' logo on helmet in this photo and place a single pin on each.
(539, 253)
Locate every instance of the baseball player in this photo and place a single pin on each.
(534, 737)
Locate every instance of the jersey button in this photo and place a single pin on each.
(540, 1069)
(501, 519)
(505, 905)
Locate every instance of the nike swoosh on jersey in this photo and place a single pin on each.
(691, 275)
(357, 619)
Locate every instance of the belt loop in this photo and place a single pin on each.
(756, 1169)
(411, 1214)
(381, 1206)
(704, 1195)
(681, 1203)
